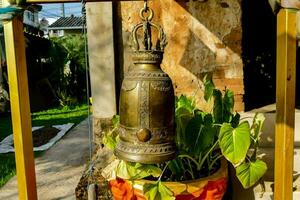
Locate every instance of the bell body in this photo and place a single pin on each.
(147, 131)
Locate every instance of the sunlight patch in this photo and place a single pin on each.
(7, 144)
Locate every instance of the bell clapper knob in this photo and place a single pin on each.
(144, 135)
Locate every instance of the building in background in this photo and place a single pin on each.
(31, 21)
(66, 26)
(44, 23)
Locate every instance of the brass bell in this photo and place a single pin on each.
(147, 131)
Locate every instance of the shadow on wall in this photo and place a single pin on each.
(198, 42)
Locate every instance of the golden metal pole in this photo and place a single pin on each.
(285, 103)
(20, 109)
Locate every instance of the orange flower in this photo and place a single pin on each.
(213, 190)
(122, 190)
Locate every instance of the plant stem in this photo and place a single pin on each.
(218, 124)
(191, 158)
(206, 155)
(200, 157)
(245, 118)
(214, 161)
(191, 172)
(159, 178)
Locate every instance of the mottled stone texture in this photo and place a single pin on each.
(101, 62)
(100, 127)
(101, 58)
(203, 37)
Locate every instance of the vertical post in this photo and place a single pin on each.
(285, 103)
(20, 108)
(102, 64)
(63, 14)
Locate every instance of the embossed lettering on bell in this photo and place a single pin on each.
(147, 131)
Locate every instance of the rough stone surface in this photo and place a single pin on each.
(203, 37)
(59, 170)
(101, 159)
(101, 125)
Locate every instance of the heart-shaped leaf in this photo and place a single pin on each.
(129, 170)
(158, 191)
(165, 192)
(184, 102)
(234, 142)
(182, 118)
(200, 133)
(209, 88)
(223, 106)
(257, 125)
(249, 173)
(151, 191)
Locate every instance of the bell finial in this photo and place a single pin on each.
(146, 15)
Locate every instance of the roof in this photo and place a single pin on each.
(71, 22)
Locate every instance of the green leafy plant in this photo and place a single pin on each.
(68, 54)
(203, 139)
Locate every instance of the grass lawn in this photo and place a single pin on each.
(55, 116)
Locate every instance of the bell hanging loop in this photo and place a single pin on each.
(145, 10)
(147, 110)
(147, 26)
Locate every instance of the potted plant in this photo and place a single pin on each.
(205, 142)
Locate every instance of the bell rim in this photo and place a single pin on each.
(140, 158)
(146, 157)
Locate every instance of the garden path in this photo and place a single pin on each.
(59, 169)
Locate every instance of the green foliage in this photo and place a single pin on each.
(110, 138)
(250, 172)
(130, 170)
(7, 167)
(157, 191)
(201, 134)
(69, 78)
(202, 139)
(184, 109)
(257, 125)
(60, 115)
(235, 142)
(75, 48)
(184, 103)
(209, 88)
(223, 106)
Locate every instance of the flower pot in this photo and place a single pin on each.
(209, 188)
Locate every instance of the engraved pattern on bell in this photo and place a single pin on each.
(147, 130)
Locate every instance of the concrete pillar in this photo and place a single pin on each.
(101, 61)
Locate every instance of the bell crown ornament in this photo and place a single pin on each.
(149, 53)
(147, 131)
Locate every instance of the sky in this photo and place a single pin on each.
(53, 11)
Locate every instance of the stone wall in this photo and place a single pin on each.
(203, 37)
